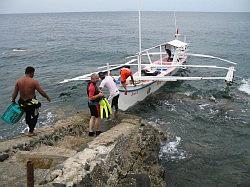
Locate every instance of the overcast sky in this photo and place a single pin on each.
(37, 6)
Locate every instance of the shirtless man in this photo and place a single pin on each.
(26, 87)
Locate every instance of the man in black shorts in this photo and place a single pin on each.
(108, 81)
(94, 96)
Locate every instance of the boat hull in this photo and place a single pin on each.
(137, 94)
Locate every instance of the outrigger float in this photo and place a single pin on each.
(157, 65)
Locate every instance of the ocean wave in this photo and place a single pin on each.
(203, 105)
(170, 106)
(170, 150)
(157, 122)
(49, 119)
(13, 53)
(19, 50)
(44, 120)
(213, 111)
(188, 93)
(25, 130)
(245, 86)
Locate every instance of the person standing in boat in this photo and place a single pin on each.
(26, 86)
(108, 82)
(168, 52)
(125, 72)
(94, 96)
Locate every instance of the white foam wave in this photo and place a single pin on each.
(244, 110)
(188, 93)
(26, 129)
(212, 98)
(154, 124)
(23, 127)
(202, 106)
(171, 106)
(170, 150)
(49, 119)
(245, 87)
(211, 111)
(19, 50)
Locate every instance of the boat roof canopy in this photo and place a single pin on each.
(177, 43)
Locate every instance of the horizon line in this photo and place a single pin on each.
(100, 11)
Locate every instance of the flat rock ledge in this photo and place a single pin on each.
(126, 154)
(75, 126)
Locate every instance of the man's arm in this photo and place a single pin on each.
(41, 91)
(96, 96)
(92, 95)
(102, 85)
(15, 92)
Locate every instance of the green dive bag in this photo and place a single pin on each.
(13, 114)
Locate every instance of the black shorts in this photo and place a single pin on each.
(114, 102)
(94, 110)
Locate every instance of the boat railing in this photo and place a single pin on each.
(167, 66)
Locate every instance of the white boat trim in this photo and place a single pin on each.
(210, 56)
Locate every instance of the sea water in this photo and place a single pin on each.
(208, 122)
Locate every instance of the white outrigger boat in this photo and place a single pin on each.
(156, 66)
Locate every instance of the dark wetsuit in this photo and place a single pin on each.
(31, 110)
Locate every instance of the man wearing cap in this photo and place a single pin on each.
(108, 82)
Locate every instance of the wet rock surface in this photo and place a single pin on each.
(126, 154)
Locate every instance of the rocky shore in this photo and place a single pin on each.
(126, 154)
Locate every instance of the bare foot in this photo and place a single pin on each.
(31, 134)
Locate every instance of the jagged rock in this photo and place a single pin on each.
(3, 156)
(87, 167)
(126, 155)
(51, 177)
